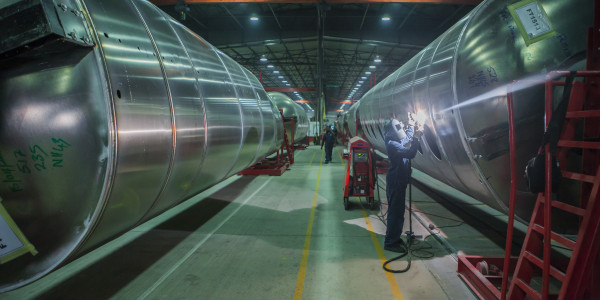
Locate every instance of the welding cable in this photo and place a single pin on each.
(410, 252)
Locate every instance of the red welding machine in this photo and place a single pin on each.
(360, 172)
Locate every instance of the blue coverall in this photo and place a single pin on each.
(397, 179)
(328, 140)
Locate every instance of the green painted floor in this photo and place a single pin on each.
(279, 237)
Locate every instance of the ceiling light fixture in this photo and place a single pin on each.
(269, 66)
(377, 59)
(363, 77)
(280, 77)
(368, 73)
(254, 18)
(371, 67)
(386, 18)
(275, 72)
(263, 58)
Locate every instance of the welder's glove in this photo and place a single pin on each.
(411, 119)
(417, 135)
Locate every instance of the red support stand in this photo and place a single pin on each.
(277, 165)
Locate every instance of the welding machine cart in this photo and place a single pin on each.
(360, 172)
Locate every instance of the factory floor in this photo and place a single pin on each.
(282, 237)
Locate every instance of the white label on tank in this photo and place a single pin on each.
(9, 242)
(533, 19)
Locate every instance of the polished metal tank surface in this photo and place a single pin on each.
(458, 83)
(148, 117)
(291, 109)
(351, 118)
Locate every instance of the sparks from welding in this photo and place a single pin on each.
(502, 91)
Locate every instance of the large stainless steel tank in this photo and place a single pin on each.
(351, 117)
(472, 63)
(136, 116)
(293, 110)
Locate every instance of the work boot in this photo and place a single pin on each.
(399, 247)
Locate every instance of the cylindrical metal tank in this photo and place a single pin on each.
(293, 110)
(148, 117)
(352, 117)
(459, 82)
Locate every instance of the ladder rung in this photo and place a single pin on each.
(567, 207)
(556, 273)
(579, 144)
(578, 176)
(528, 289)
(557, 237)
(583, 114)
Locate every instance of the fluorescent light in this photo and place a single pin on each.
(280, 77)
(368, 73)
(363, 77)
(253, 18)
(377, 59)
(275, 72)
(371, 67)
(385, 18)
(359, 84)
(270, 66)
(361, 81)
(284, 81)
(287, 84)
(263, 59)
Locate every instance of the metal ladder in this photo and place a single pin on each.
(581, 274)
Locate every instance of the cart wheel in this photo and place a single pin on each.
(346, 203)
(483, 268)
(371, 203)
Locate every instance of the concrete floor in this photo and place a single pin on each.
(281, 237)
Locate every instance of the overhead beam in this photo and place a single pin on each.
(289, 89)
(173, 2)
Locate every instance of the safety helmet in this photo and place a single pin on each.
(394, 131)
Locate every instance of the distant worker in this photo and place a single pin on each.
(401, 145)
(328, 140)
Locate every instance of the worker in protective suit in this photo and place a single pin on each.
(401, 144)
(328, 141)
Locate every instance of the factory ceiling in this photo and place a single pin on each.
(361, 41)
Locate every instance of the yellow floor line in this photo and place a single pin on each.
(390, 277)
(304, 261)
(311, 159)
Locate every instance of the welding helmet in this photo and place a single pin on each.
(394, 130)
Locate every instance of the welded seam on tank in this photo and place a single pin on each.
(237, 97)
(262, 121)
(438, 141)
(112, 139)
(203, 155)
(201, 96)
(457, 116)
(171, 110)
(454, 57)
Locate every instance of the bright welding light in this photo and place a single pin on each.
(421, 116)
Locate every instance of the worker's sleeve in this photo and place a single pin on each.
(400, 152)
(410, 132)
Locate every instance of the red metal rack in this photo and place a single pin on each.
(277, 165)
(574, 281)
